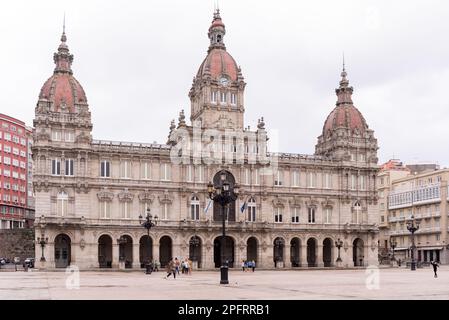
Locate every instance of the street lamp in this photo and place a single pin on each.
(339, 244)
(42, 241)
(413, 226)
(223, 194)
(148, 222)
(393, 245)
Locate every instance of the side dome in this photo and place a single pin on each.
(62, 91)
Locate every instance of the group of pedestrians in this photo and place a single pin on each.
(174, 266)
(246, 265)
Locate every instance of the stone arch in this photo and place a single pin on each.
(278, 251)
(63, 250)
(217, 216)
(125, 242)
(312, 244)
(295, 252)
(252, 246)
(145, 250)
(195, 250)
(165, 250)
(105, 250)
(328, 246)
(228, 253)
(358, 256)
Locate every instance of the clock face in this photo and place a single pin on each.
(224, 81)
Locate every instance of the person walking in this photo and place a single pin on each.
(435, 266)
(243, 265)
(171, 269)
(253, 265)
(177, 265)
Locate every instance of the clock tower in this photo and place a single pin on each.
(217, 93)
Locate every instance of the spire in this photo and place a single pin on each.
(344, 92)
(63, 59)
(217, 31)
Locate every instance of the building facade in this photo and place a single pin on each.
(291, 210)
(423, 197)
(15, 173)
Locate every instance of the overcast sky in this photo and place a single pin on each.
(136, 61)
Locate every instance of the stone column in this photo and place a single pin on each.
(207, 256)
(287, 256)
(319, 256)
(303, 253)
(115, 255)
(156, 250)
(136, 256)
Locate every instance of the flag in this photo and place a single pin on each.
(242, 209)
(208, 206)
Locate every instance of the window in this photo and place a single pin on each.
(327, 181)
(279, 178)
(213, 97)
(15, 174)
(165, 172)
(195, 208)
(165, 211)
(69, 167)
(7, 160)
(251, 211)
(62, 203)
(7, 149)
(278, 214)
(189, 173)
(223, 97)
(328, 215)
(353, 182)
(69, 136)
(358, 209)
(200, 173)
(233, 99)
(15, 151)
(56, 167)
(295, 215)
(6, 173)
(256, 177)
(145, 171)
(311, 215)
(125, 169)
(105, 209)
(56, 135)
(126, 210)
(295, 178)
(362, 157)
(247, 176)
(6, 185)
(353, 157)
(362, 183)
(311, 180)
(105, 169)
(23, 165)
(23, 142)
(7, 136)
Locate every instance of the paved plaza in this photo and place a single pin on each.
(298, 284)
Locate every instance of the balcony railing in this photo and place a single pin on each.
(422, 195)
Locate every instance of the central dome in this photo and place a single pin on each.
(218, 62)
(62, 90)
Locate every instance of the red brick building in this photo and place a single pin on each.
(15, 173)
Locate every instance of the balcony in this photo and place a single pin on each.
(422, 195)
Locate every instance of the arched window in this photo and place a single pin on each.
(62, 203)
(195, 208)
(251, 215)
(358, 209)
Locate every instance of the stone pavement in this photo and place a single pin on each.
(271, 285)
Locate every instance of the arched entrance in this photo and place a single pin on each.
(165, 250)
(105, 251)
(195, 246)
(327, 252)
(126, 250)
(228, 253)
(357, 252)
(295, 245)
(218, 215)
(145, 250)
(62, 251)
(311, 252)
(278, 252)
(251, 249)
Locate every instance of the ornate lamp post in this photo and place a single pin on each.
(393, 245)
(413, 226)
(148, 222)
(223, 194)
(339, 244)
(42, 241)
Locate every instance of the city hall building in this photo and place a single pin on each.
(291, 211)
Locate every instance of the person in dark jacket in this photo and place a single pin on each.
(435, 266)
